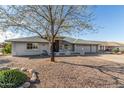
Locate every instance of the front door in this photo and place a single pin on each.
(56, 46)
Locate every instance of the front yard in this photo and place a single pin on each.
(87, 71)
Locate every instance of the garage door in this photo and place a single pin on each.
(94, 49)
(86, 48)
(80, 48)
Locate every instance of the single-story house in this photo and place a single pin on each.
(63, 46)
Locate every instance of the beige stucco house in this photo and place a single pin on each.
(63, 46)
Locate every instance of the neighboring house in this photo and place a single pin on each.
(63, 46)
(109, 46)
(121, 47)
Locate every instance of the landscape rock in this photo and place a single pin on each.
(119, 53)
(33, 78)
(23, 69)
(4, 68)
(31, 71)
(15, 68)
(26, 85)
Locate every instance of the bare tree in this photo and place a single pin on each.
(46, 21)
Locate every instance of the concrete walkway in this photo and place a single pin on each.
(114, 58)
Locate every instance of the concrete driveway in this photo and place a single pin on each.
(111, 57)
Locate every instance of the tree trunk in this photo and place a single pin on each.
(52, 52)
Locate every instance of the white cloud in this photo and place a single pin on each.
(8, 35)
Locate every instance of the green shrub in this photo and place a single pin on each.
(11, 78)
(115, 50)
(0, 49)
(7, 48)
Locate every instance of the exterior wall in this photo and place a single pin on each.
(110, 48)
(62, 46)
(106, 48)
(94, 48)
(20, 49)
(101, 48)
(86, 48)
(121, 48)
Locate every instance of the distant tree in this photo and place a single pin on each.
(6, 48)
(47, 21)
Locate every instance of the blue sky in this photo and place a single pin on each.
(111, 18)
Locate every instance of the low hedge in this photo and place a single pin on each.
(12, 78)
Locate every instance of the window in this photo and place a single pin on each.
(32, 45)
(66, 46)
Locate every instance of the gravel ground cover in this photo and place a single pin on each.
(71, 72)
(114, 58)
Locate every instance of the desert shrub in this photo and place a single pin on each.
(7, 48)
(12, 78)
(115, 50)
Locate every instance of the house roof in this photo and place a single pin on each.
(110, 43)
(121, 44)
(38, 39)
(80, 41)
(28, 39)
(68, 39)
